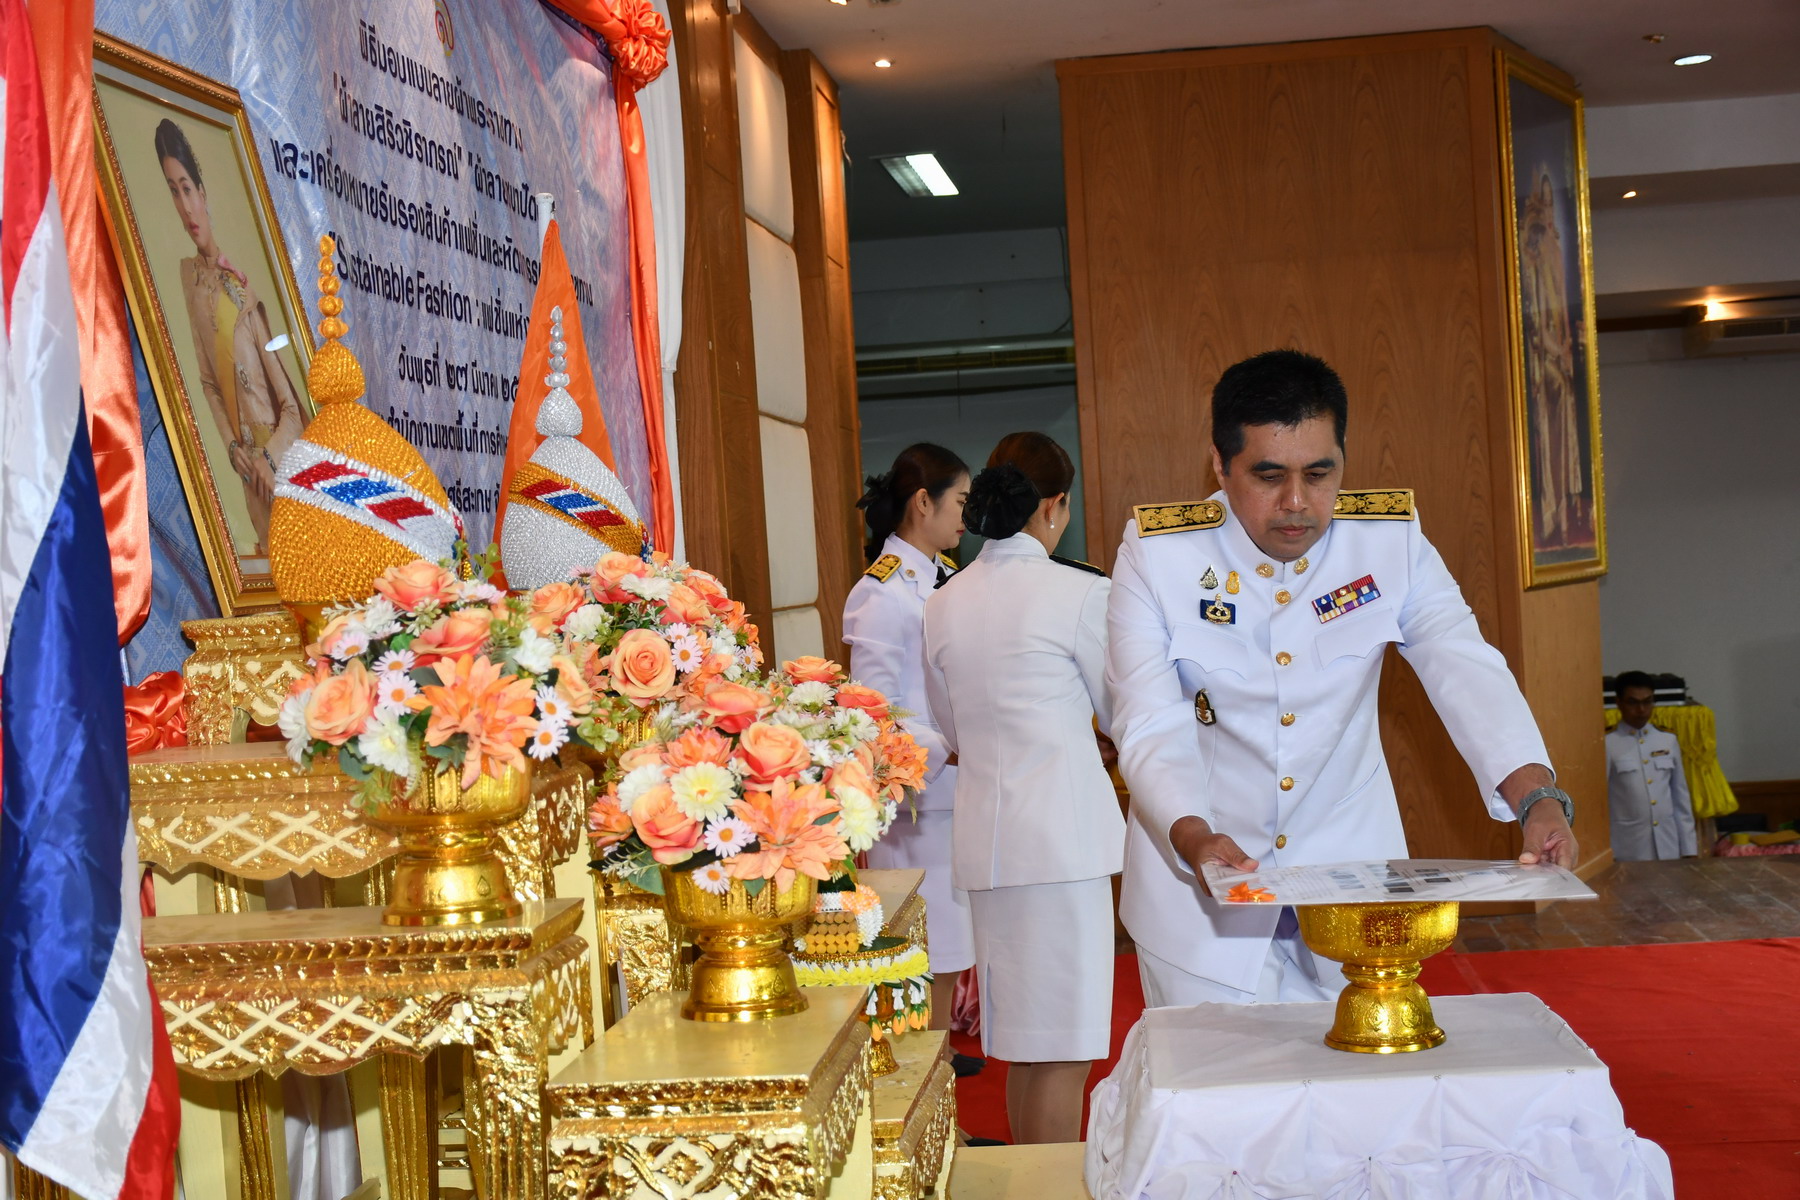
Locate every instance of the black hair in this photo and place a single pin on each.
(884, 500)
(1024, 470)
(1277, 387)
(1633, 679)
(172, 143)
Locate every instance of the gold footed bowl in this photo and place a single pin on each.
(1382, 946)
(448, 872)
(743, 972)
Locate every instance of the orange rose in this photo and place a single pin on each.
(772, 751)
(417, 583)
(732, 706)
(614, 566)
(685, 604)
(851, 773)
(464, 631)
(812, 669)
(699, 746)
(671, 835)
(332, 636)
(552, 604)
(707, 585)
(640, 756)
(572, 685)
(643, 670)
(339, 707)
(855, 695)
(607, 823)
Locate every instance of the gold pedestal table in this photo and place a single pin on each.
(662, 1108)
(320, 990)
(915, 1118)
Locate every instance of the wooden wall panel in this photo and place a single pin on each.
(1562, 681)
(1341, 198)
(821, 244)
(717, 434)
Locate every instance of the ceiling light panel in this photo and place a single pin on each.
(919, 174)
(1692, 60)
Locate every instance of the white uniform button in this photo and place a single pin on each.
(1287, 784)
(1284, 658)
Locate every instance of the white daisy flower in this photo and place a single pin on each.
(392, 690)
(677, 629)
(484, 592)
(552, 708)
(712, 879)
(292, 721)
(381, 618)
(637, 781)
(351, 641)
(687, 653)
(383, 745)
(820, 749)
(396, 660)
(586, 623)
(650, 587)
(534, 651)
(858, 816)
(704, 791)
(858, 725)
(811, 695)
(725, 838)
(550, 737)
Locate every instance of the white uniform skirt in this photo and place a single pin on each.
(925, 844)
(1044, 960)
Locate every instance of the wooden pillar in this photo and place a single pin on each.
(1343, 197)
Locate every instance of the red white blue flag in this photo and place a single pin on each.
(87, 1089)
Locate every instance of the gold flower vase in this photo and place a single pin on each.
(1382, 946)
(743, 973)
(881, 1033)
(448, 872)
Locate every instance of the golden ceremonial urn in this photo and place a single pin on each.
(449, 871)
(743, 972)
(1383, 1010)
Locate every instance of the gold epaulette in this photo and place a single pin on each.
(884, 566)
(1374, 504)
(1178, 518)
(948, 561)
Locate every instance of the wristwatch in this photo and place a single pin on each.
(1545, 793)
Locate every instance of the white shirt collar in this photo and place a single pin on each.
(1239, 542)
(1020, 543)
(911, 557)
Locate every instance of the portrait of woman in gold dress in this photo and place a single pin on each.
(251, 398)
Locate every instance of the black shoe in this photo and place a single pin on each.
(974, 1141)
(966, 1065)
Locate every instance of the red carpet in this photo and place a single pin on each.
(1700, 1037)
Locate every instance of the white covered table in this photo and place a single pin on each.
(1228, 1102)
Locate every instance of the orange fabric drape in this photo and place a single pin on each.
(155, 715)
(638, 38)
(65, 44)
(556, 287)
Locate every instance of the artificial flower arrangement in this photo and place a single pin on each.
(758, 780)
(436, 672)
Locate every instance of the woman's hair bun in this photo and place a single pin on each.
(1001, 501)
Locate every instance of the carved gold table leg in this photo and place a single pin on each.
(256, 1164)
(29, 1185)
(409, 1126)
(511, 1058)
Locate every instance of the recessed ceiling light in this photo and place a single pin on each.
(884, 63)
(1716, 311)
(919, 174)
(1692, 60)
(1628, 195)
(840, 1)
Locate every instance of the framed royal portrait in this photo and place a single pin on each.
(1550, 284)
(219, 318)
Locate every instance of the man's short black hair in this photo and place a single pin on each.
(1276, 387)
(1633, 679)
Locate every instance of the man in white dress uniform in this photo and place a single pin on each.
(1246, 636)
(1646, 787)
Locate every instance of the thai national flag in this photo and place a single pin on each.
(87, 1088)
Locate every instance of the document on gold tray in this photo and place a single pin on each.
(1388, 880)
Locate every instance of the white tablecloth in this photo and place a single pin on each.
(1228, 1102)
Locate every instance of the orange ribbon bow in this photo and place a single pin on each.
(1243, 893)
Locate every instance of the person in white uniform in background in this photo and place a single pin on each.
(915, 514)
(1015, 653)
(1646, 785)
(1247, 633)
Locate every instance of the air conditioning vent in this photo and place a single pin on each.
(1745, 327)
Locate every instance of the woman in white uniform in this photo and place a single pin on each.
(914, 513)
(1015, 670)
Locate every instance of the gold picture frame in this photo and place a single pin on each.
(1550, 305)
(210, 288)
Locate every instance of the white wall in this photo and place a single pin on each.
(1702, 461)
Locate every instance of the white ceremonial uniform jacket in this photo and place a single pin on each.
(1647, 795)
(1283, 750)
(884, 624)
(1015, 668)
